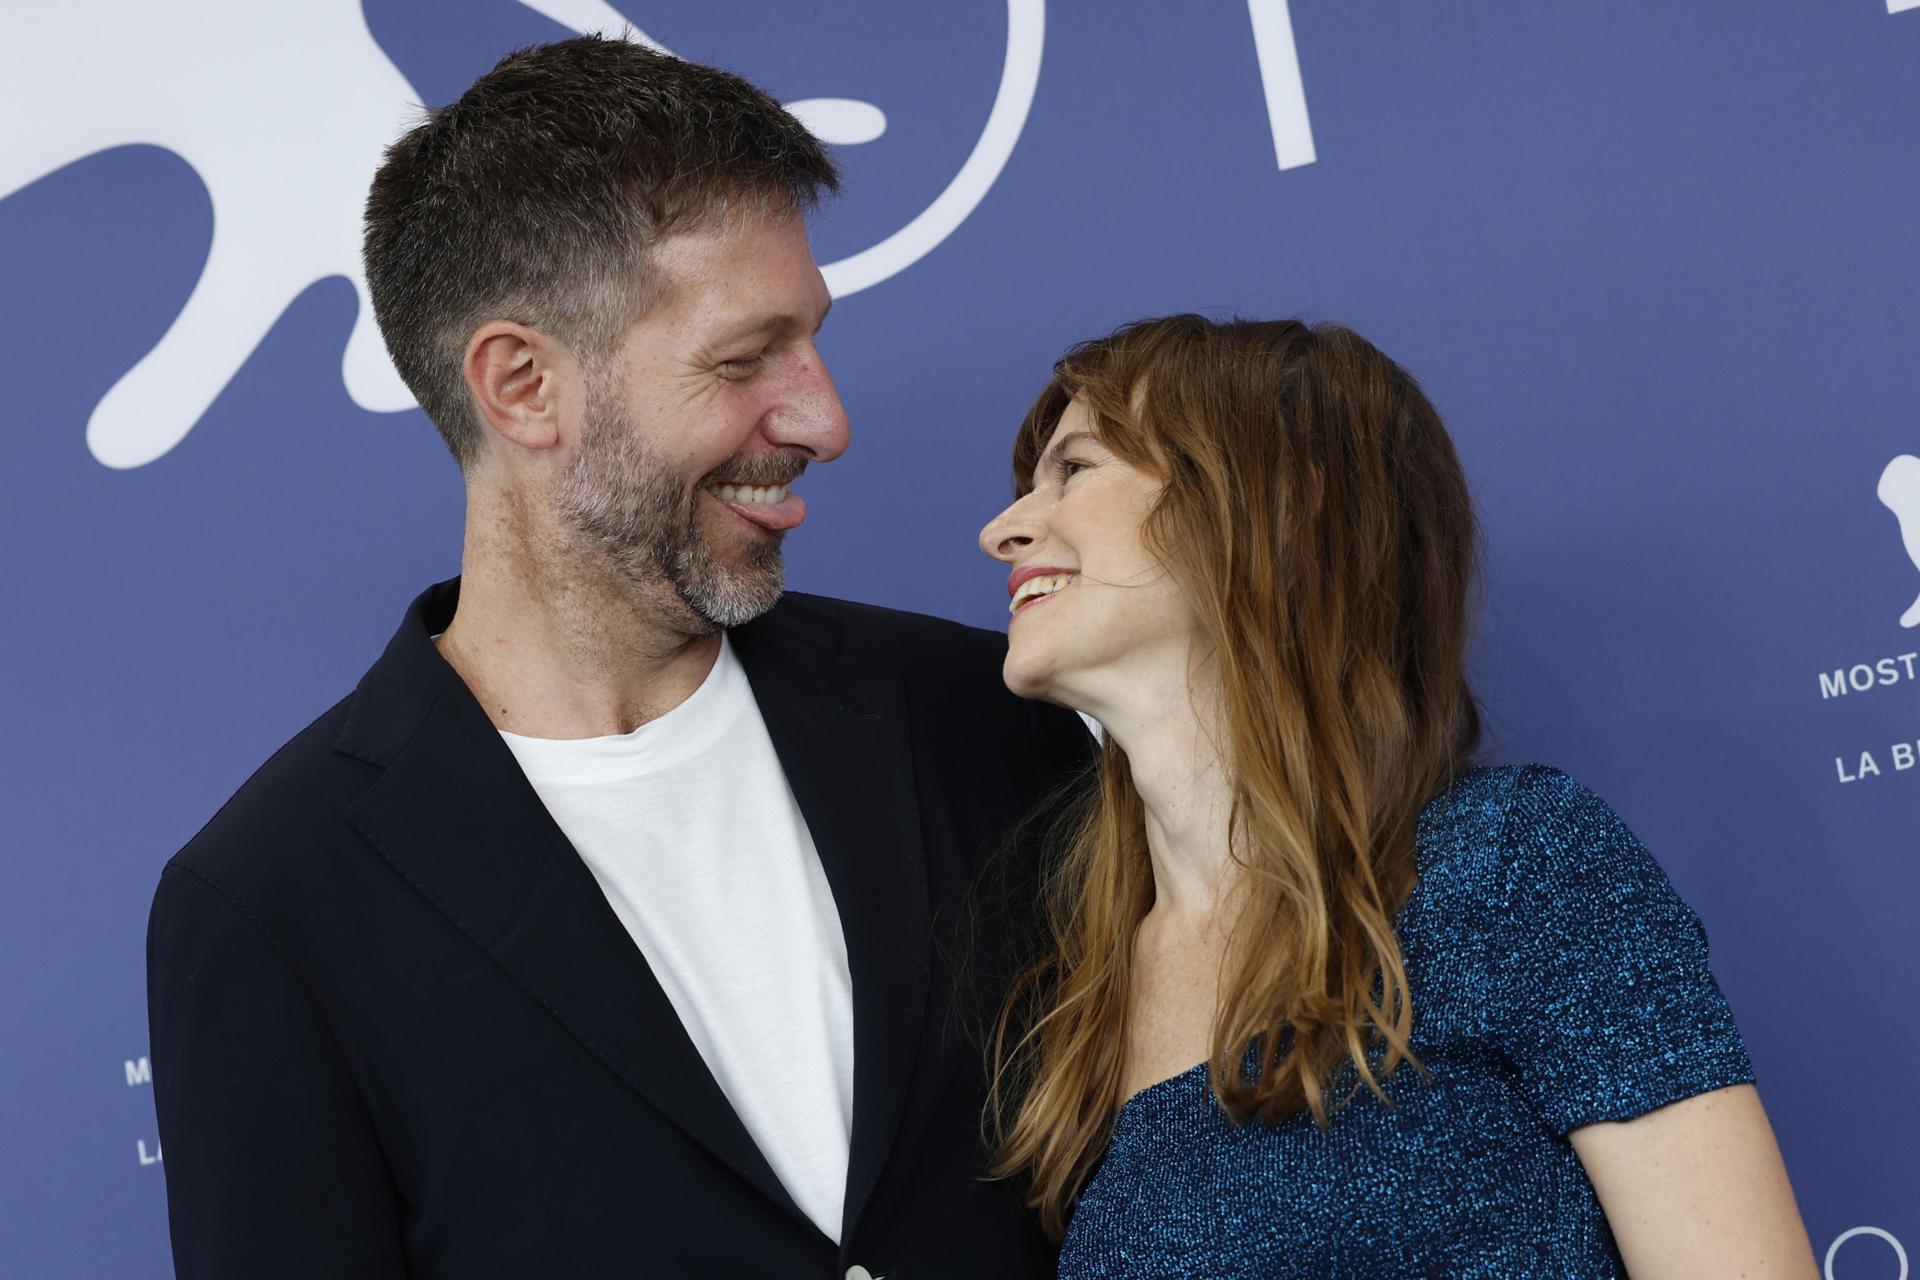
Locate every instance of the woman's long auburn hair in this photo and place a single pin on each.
(1317, 518)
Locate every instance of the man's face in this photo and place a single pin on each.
(706, 412)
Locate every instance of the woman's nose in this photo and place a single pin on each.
(1006, 535)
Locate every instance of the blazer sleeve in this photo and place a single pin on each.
(271, 1161)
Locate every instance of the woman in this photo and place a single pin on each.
(1447, 1021)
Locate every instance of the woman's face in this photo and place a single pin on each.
(1095, 614)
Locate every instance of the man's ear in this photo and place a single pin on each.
(516, 375)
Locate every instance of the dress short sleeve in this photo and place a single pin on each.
(1601, 997)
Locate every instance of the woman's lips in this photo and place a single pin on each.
(1030, 585)
(1031, 601)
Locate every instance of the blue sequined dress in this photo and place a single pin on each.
(1557, 980)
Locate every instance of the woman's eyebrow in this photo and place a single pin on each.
(1060, 446)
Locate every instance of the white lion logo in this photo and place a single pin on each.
(1900, 490)
(285, 122)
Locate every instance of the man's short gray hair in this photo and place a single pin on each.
(538, 196)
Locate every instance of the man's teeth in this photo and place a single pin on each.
(1045, 585)
(764, 496)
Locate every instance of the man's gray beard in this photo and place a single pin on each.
(625, 499)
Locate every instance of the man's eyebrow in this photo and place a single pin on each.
(767, 322)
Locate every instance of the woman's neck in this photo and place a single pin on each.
(1180, 768)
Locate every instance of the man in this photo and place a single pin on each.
(624, 921)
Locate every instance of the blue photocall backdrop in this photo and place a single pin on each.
(1657, 264)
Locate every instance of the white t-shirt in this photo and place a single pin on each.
(694, 835)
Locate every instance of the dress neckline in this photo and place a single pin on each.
(1158, 1087)
(1432, 811)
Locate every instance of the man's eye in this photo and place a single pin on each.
(744, 367)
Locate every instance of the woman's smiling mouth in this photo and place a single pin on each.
(1038, 586)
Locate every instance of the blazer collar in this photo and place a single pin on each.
(454, 816)
(398, 692)
(840, 726)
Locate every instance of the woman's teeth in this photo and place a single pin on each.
(763, 496)
(1045, 585)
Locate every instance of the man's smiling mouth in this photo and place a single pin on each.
(763, 495)
(775, 508)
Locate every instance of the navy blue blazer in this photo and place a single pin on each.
(398, 1031)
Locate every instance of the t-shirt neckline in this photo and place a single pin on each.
(666, 740)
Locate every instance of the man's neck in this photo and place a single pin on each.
(555, 650)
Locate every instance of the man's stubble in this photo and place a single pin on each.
(627, 502)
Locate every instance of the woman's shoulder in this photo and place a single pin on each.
(1547, 926)
(1502, 788)
(1525, 808)
(1514, 839)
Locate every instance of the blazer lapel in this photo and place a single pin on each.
(456, 818)
(840, 728)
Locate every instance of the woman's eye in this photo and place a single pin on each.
(1069, 466)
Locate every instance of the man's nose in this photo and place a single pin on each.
(1009, 533)
(810, 415)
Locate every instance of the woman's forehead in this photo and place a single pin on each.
(1076, 418)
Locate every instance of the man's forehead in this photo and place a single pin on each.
(736, 328)
(742, 276)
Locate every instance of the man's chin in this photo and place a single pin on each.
(733, 597)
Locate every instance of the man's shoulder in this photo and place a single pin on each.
(876, 633)
(294, 799)
(954, 671)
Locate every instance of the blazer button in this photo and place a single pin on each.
(858, 1272)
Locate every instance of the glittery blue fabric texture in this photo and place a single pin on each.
(1557, 980)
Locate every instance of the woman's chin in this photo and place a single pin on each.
(1026, 676)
